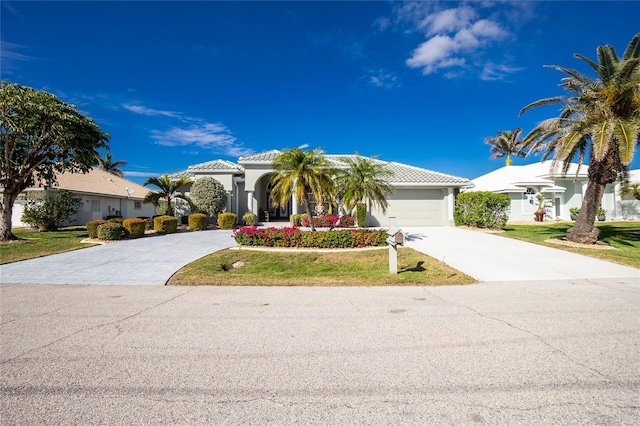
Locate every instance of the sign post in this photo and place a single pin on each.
(395, 237)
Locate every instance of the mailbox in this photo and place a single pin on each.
(395, 236)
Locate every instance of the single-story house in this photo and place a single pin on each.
(565, 191)
(421, 198)
(103, 194)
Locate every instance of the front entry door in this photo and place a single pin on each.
(277, 213)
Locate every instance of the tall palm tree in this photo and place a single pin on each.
(505, 144)
(364, 179)
(600, 118)
(630, 188)
(107, 164)
(167, 191)
(295, 172)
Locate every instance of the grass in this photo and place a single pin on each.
(38, 244)
(353, 268)
(624, 236)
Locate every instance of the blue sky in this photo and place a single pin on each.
(179, 83)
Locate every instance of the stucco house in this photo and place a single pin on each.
(524, 183)
(103, 194)
(421, 198)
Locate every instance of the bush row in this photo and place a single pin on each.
(330, 221)
(119, 228)
(482, 209)
(294, 237)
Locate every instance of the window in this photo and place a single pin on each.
(137, 205)
(95, 205)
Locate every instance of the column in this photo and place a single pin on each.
(250, 201)
(450, 204)
(229, 202)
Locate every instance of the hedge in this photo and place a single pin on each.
(361, 214)
(482, 209)
(110, 231)
(165, 224)
(294, 237)
(227, 220)
(198, 222)
(329, 221)
(92, 227)
(134, 227)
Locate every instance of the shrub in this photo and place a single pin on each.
(296, 219)
(110, 231)
(134, 227)
(249, 219)
(574, 211)
(208, 196)
(148, 221)
(482, 209)
(361, 214)
(92, 227)
(115, 220)
(294, 237)
(227, 220)
(198, 222)
(165, 224)
(329, 221)
(48, 210)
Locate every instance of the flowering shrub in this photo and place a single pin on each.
(294, 237)
(329, 221)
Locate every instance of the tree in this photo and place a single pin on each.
(295, 172)
(505, 144)
(600, 118)
(49, 210)
(167, 191)
(364, 179)
(208, 195)
(107, 164)
(630, 188)
(40, 135)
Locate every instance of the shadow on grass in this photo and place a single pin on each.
(622, 236)
(417, 268)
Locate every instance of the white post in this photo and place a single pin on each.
(450, 204)
(393, 258)
(229, 202)
(250, 201)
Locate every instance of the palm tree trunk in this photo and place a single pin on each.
(307, 206)
(169, 211)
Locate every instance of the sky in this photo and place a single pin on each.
(421, 83)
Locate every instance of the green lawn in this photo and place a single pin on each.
(624, 236)
(38, 244)
(352, 268)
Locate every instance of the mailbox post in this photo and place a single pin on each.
(395, 237)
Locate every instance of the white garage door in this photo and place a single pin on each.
(414, 207)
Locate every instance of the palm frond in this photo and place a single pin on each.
(633, 49)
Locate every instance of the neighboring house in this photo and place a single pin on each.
(524, 183)
(102, 194)
(421, 197)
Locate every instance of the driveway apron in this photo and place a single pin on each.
(488, 257)
(144, 261)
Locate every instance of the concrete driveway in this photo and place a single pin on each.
(493, 353)
(488, 257)
(144, 261)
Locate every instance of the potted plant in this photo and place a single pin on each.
(602, 214)
(574, 212)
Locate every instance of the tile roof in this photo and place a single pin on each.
(99, 182)
(405, 174)
(222, 165)
(261, 157)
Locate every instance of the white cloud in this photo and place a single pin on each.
(384, 79)
(212, 136)
(491, 71)
(139, 109)
(455, 35)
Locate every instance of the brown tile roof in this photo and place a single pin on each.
(99, 182)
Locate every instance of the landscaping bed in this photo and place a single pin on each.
(297, 238)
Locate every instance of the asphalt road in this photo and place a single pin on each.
(546, 352)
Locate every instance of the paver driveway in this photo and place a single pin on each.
(144, 261)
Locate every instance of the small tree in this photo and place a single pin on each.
(40, 135)
(630, 188)
(209, 196)
(49, 210)
(167, 191)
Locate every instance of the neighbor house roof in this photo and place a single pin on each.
(261, 157)
(518, 178)
(99, 182)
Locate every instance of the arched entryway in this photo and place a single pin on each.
(276, 213)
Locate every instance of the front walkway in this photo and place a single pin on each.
(488, 257)
(143, 261)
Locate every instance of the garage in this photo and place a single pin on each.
(413, 207)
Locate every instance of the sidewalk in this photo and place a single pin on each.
(488, 257)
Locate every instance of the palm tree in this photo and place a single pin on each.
(600, 118)
(167, 191)
(107, 164)
(505, 144)
(295, 172)
(364, 179)
(630, 188)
